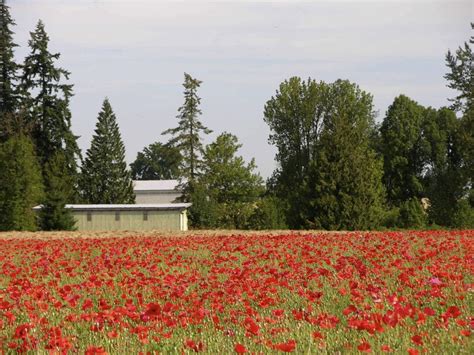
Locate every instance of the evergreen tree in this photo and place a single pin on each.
(404, 150)
(20, 184)
(58, 192)
(461, 76)
(47, 99)
(344, 188)
(157, 162)
(105, 178)
(186, 136)
(8, 69)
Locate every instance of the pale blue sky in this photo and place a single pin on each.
(135, 52)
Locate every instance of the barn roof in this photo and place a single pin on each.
(156, 185)
(127, 207)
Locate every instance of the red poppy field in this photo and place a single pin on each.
(401, 292)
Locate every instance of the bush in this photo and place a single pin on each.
(391, 218)
(464, 215)
(267, 214)
(412, 214)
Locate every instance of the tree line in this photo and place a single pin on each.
(337, 168)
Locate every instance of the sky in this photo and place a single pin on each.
(135, 53)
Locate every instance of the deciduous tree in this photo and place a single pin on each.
(157, 162)
(404, 150)
(228, 184)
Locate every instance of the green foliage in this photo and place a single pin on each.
(267, 214)
(329, 175)
(443, 178)
(8, 68)
(58, 192)
(186, 137)
(450, 165)
(391, 218)
(227, 189)
(461, 75)
(157, 162)
(295, 116)
(347, 192)
(403, 150)
(20, 184)
(105, 178)
(412, 214)
(464, 214)
(204, 212)
(46, 97)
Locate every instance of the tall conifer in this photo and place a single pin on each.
(46, 96)
(186, 136)
(58, 192)
(8, 69)
(105, 178)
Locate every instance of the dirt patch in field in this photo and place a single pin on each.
(152, 233)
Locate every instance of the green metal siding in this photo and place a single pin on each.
(170, 220)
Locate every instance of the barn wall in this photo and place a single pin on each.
(129, 220)
(144, 197)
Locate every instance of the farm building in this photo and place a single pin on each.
(156, 191)
(164, 217)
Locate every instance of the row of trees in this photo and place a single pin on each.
(40, 161)
(337, 169)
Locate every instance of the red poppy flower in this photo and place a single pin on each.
(240, 349)
(364, 347)
(287, 347)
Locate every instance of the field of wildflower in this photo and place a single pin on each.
(401, 292)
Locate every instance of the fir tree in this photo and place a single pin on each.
(8, 69)
(47, 98)
(344, 185)
(20, 184)
(461, 75)
(58, 192)
(105, 178)
(186, 136)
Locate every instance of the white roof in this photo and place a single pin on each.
(154, 206)
(155, 185)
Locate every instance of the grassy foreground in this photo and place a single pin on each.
(402, 292)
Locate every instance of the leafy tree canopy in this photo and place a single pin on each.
(157, 162)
